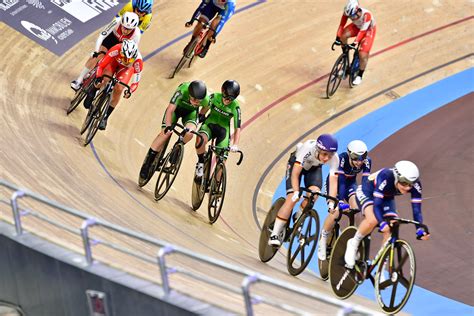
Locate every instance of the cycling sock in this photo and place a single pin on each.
(109, 111)
(358, 237)
(278, 227)
(82, 74)
(201, 158)
(361, 73)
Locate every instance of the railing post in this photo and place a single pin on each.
(16, 213)
(164, 272)
(246, 292)
(85, 238)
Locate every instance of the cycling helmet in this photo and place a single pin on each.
(326, 142)
(197, 89)
(351, 8)
(230, 89)
(143, 5)
(130, 20)
(357, 150)
(129, 51)
(406, 172)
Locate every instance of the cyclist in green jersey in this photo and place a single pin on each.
(184, 104)
(223, 107)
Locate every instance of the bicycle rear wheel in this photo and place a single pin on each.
(336, 75)
(155, 165)
(303, 241)
(82, 92)
(343, 280)
(169, 171)
(265, 251)
(217, 192)
(393, 292)
(103, 104)
(200, 185)
(90, 113)
(324, 264)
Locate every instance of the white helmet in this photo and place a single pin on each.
(129, 49)
(406, 172)
(357, 150)
(351, 8)
(130, 20)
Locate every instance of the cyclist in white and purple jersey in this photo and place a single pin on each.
(351, 163)
(376, 198)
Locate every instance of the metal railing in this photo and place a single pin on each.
(250, 277)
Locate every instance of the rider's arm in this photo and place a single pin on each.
(109, 57)
(145, 23)
(126, 8)
(228, 12)
(333, 177)
(105, 32)
(169, 113)
(236, 136)
(364, 28)
(416, 199)
(137, 68)
(381, 183)
(366, 170)
(137, 35)
(341, 25)
(198, 10)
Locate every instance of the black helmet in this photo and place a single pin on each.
(197, 89)
(230, 89)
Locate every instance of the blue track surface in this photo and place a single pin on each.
(373, 129)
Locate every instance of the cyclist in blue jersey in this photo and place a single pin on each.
(351, 163)
(376, 198)
(217, 13)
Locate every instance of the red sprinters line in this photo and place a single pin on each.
(306, 85)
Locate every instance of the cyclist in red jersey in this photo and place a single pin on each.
(124, 27)
(124, 61)
(363, 28)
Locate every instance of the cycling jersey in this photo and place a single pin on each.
(365, 22)
(112, 62)
(112, 33)
(306, 156)
(145, 21)
(209, 9)
(380, 190)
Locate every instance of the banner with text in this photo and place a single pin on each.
(58, 24)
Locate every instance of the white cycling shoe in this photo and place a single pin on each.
(322, 249)
(75, 85)
(357, 81)
(351, 252)
(199, 169)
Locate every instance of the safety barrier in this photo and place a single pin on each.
(250, 277)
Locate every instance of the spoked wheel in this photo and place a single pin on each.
(169, 171)
(324, 264)
(336, 75)
(187, 55)
(265, 251)
(98, 115)
(217, 192)
(200, 186)
(394, 281)
(354, 69)
(303, 241)
(343, 280)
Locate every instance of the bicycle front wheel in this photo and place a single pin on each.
(303, 241)
(200, 186)
(336, 75)
(98, 115)
(169, 171)
(395, 277)
(217, 192)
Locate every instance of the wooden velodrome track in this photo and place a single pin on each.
(272, 49)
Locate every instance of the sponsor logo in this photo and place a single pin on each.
(382, 185)
(85, 10)
(36, 3)
(38, 31)
(344, 277)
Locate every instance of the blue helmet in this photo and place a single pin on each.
(143, 5)
(326, 142)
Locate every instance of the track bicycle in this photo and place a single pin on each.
(214, 181)
(394, 266)
(343, 68)
(99, 107)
